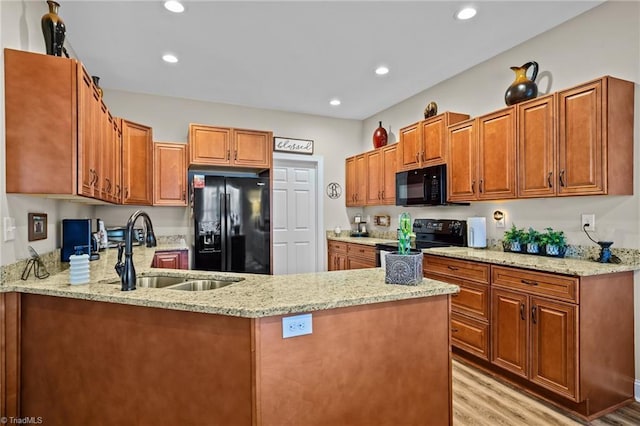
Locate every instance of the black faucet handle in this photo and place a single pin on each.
(120, 251)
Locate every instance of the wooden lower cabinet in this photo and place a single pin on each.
(566, 339)
(337, 256)
(343, 255)
(174, 259)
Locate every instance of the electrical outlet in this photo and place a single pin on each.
(500, 223)
(590, 221)
(298, 325)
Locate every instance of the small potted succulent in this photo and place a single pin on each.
(533, 241)
(554, 242)
(514, 239)
(405, 265)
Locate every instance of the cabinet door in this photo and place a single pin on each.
(509, 325)
(361, 180)
(554, 342)
(105, 160)
(537, 148)
(434, 140)
(116, 136)
(580, 140)
(351, 184)
(410, 147)
(389, 169)
(462, 166)
(373, 160)
(252, 148)
(209, 145)
(171, 259)
(88, 101)
(497, 155)
(359, 263)
(137, 164)
(169, 174)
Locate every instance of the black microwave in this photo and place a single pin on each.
(422, 187)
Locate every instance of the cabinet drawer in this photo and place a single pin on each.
(538, 283)
(337, 246)
(362, 251)
(473, 300)
(470, 335)
(462, 269)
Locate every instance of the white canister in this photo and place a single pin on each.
(477, 232)
(79, 269)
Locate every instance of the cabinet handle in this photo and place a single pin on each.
(118, 190)
(383, 194)
(454, 330)
(235, 155)
(455, 295)
(228, 155)
(95, 183)
(480, 186)
(549, 179)
(562, 178)
(534, 309)
(522, 311)
(108, 181)
(417, 157)
(529, 282)
(423, 160)
(453, 268)
(184, 194)
(473, 186)
(126, 192)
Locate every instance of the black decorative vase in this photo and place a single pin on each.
(523, 88)
(53, 30)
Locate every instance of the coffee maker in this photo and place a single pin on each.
(77, 239)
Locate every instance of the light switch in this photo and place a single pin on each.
(9, 228)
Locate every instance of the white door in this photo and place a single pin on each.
(296, 217)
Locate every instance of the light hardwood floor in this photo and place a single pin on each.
(480, 400)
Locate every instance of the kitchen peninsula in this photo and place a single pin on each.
(92, 354)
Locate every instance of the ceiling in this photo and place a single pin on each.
(296, 56)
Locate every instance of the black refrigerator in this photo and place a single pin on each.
(231, 223)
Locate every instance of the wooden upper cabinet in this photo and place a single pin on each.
(221, 146)
(88, 101)
(425, 143)
(497, 155)
(375, 172)
(537, 148)
(41, 123)
(350, 184)
(410, 147)
(169, 174)
(462, 165)
(361, 180)
(137, 163)
(388, 177)
(595, 138)
(252, 148)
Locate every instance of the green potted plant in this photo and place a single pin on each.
(405, 265)
(532, 238)
(514, 238)
(554, 242)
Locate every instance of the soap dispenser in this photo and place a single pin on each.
(79, 269)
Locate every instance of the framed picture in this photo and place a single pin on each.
(293, 146)
(37, 225)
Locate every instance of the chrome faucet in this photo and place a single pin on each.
(125, 270)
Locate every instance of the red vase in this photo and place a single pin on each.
(379, 136)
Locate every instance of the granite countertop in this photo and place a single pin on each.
(368, 241)
(254, 297)
(568, 266)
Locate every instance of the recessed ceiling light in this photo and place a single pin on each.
(466, 13)
(174, 6)
(382, 70)
(169, 58)
(335, 102)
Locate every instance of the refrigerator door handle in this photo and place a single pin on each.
(227, 232)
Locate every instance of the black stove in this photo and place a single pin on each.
(434, 233)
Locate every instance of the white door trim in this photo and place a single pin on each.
(317, 162)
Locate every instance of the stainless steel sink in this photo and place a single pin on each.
(201, 285)
(158, 281)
